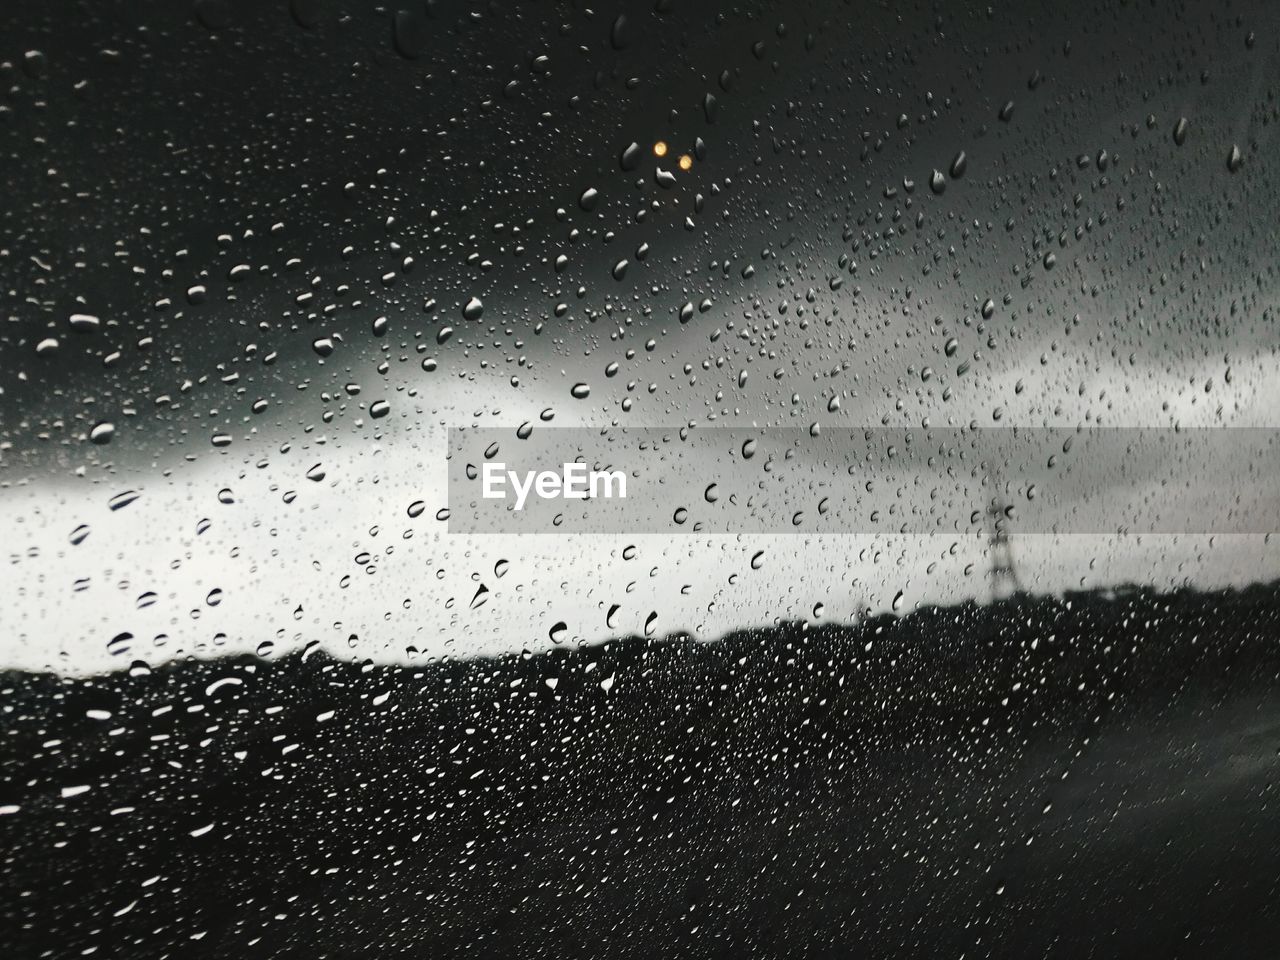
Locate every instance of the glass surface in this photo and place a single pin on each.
(920, 361)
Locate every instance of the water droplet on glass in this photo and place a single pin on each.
(620, 34)
(630, 158)
(409, 34)
(122, 500)
(213, 14)
(119, 644)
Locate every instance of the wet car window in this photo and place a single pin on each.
(654, 479)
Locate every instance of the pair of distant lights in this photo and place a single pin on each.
(684, 163)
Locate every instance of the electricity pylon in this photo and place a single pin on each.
(1005, 584)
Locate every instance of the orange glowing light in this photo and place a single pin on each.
(660, 148)
(686, 162)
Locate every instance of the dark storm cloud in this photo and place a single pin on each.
(155, 155)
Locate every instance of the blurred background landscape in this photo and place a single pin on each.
(263, 695)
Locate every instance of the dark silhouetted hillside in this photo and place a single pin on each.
(1040, 778)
